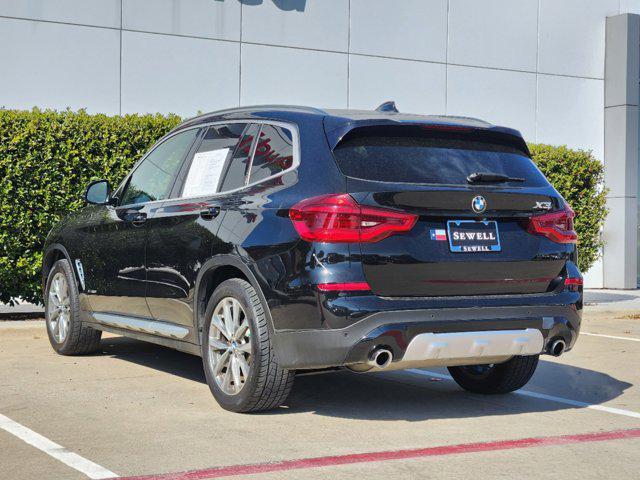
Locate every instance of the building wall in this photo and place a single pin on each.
(536, 65)
(621, 133)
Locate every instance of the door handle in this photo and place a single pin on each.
(138, 219)
(209, 213)
(132, 215)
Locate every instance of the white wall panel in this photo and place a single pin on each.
(498, 96)
(572, 36)
(416, 87)
(621, 150)
(197, 18)
(104, 13)
(322, 25)
(293, 76)
(494, 33)
(620, 243)
(571, 112)
(594, 277)
(414, 29)
(80, 69)
(161, 73)
(629, 6)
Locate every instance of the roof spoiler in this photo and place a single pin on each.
(337, 128)
(389, 106)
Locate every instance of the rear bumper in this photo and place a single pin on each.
(403, 332)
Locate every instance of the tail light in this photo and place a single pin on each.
(573, 284)
(556, 226)
(339, 219)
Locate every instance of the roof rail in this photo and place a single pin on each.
(259, 107)
(389, 106)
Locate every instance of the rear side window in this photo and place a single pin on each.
(208, 163)
(274, 153)
(408, 154)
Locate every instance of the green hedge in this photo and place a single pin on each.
(579, 177)
(47, 158)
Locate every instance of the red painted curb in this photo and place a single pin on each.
(217, 472)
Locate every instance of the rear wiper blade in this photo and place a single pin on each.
(479, 177)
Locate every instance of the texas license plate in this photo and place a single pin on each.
(469, 236)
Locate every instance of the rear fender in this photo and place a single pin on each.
(213, 264)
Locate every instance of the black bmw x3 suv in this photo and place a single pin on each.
(277, 239)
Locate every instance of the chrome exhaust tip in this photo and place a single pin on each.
(557, 347)
(380, 358)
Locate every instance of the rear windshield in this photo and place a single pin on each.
(408, 154)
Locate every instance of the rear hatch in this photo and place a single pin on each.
(473, 193)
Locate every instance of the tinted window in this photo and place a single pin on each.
(274, 152)
(236, 172)
(153, 178)
(208, 163)
(414, 155)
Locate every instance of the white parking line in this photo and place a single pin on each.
(543, 396)
(610, 336)
(73, 460)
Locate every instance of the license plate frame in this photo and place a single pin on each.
(470, 245)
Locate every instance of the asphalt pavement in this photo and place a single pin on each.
(139, 409)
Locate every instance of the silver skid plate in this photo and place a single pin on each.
(500, 343)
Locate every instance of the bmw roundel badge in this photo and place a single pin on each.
(479, 204)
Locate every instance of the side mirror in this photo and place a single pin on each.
(98, 193)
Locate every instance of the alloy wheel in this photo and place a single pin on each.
(59, 307)
(230, 346)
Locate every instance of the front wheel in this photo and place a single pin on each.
(67, 333)
(496, 378)
(237, 354)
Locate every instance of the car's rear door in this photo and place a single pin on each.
(183, 233)
(471, 238)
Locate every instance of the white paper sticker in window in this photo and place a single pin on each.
(204, 173)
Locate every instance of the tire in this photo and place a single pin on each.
(67, 333)
(266, 385)
(496, 379)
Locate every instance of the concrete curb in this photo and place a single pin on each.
(17, 316)
(22, 311)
